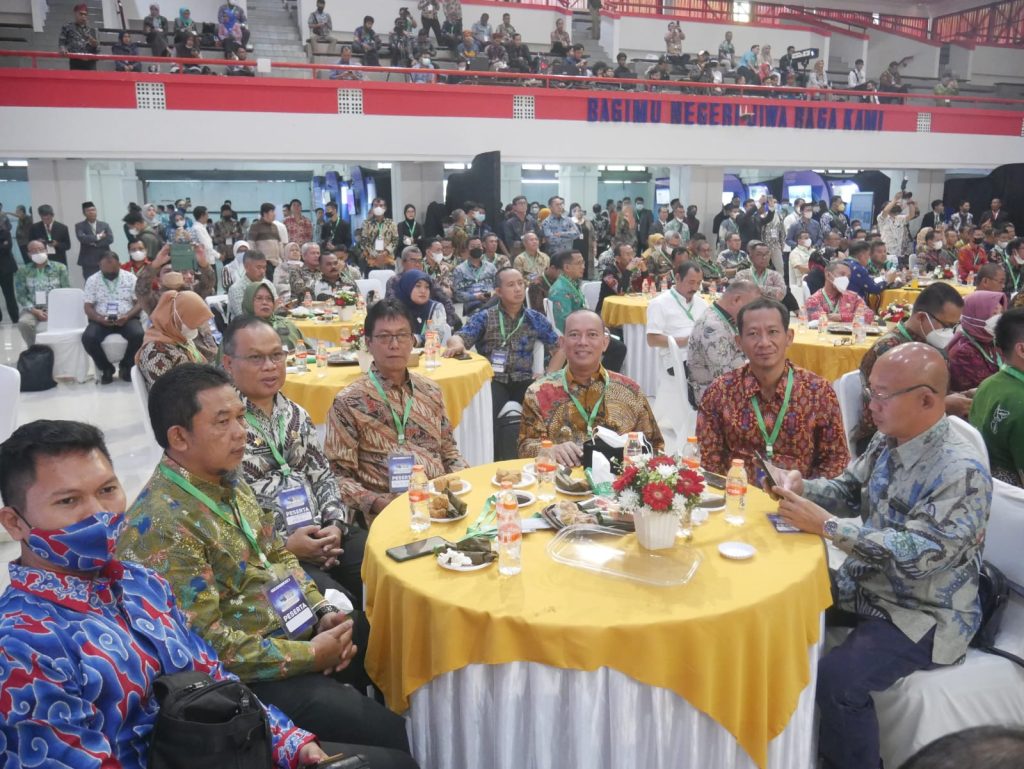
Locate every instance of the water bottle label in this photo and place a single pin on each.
(399, 472)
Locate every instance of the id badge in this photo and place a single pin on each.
(51, 249)
(294, 504)
(111, 309)
(40, 298)
(229, 242)
(378, 245)
(289, 603)
(498, 360)
(399, 472)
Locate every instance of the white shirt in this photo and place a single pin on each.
(855, 78)
(666, 315)
(202, 235)
(104, 297)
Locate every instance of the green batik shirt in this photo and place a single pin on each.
(215, 575)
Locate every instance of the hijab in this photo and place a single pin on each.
(287, 330)
(149, 213)
(979, 307)
(185, 20)
(174, 310)
(420, 313)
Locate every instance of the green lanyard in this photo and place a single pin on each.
(412, 230)
(575, 290)
(238, 522)
(900, 327)
(759, 282)
(501, 323)
(769, 440)
(399, 423)
(1014, 276)
(998, 359)
(1007, 369)
(275, 449)
(726, 318)
(681, 305)
(588, 420)
(832, 308)
(112, 286)
(546, 281)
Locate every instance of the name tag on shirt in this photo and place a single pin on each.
(378, 244)
(499, 358)
(399, 472)
(51, 249)
(294, 504)
(228, 241)
(289, 603)
(111, 309)
(40, 297)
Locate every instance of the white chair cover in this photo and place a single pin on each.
(383, 276)
(805, 292)
(851, 404)
(114, 347)
(985, 689)
(538, 358)
(366, 285)
(591, 293)
(549, 313)
(971, 434)
(67, 322)
(139, 388)
(10, 392)
(671, 405)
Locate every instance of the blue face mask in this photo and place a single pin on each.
(87, 545)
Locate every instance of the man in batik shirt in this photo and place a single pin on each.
(713, 348)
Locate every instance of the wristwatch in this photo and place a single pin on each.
(324, 608)
(830, 527)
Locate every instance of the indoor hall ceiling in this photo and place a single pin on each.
(895, 8)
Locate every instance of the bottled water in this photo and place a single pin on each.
(300, 356)
(691, 454)
(736, 494)
(633, 452)
(510, 532)
(802, 318)
(546, 467)
(859, 332)
(419, 500)
(431, 349)
(823, 323)
(664, 282)
(321, 354)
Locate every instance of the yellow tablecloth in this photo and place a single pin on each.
(733, 642)
(333, 331)
(819, 354)
(459, 380)
(621, 310)
(909, 295)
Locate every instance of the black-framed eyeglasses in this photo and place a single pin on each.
(389, 339)
(871, 395)
(258, 360)
(954, 325)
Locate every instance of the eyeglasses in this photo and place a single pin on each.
(258, 360)
(942, 323)
(389, 339)
(871, 395)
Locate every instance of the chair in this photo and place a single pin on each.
(591, 293)
(985, 689)
(549, 313)
(66, 324)
(218, 304)
(139, 388)
(114, 347)
(805, 292)
(671, 404)
(970, 433)
(538, 358)
(851, 405)
(10, 392)
(383, 276)
(366, 285)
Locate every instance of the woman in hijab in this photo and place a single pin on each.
(170, 340)
(260, 300)
(183, 25)
(972, 354)
(282, 275)
(426, 314)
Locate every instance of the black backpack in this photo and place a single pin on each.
(994, 595)
(36, 368)
(207, 724)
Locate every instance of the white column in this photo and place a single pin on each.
(511, 182)
(417, 183)
(705, 192)
(578, 184)
(112, 186)
(63, 184)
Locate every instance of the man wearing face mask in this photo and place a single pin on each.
(799, 264)
(834, 300)
(972, 256)
(426, 66)
(112, 308)
(226, 232)
(1014, 264)
(377, 239)
(474, 279)
(934, 318)
(32, 285)
(805, 224)
(69, 595)
(143, 233)
(137, 260)
(834, 220)
(868, 275)
(934, 256)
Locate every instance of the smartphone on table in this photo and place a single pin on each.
(416, 549)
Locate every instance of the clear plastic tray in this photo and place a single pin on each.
(608, 551)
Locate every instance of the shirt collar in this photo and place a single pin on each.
(216, 491)
(386, 383)
(751, 387)
(68, 590)
(599, 377)
(911, 452)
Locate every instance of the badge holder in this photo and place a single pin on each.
(399, 471)
(289, 604)
(296, 508)
(499, 359)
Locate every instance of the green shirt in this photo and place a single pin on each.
(566, 297)
(29, 279)
(998, 413)
(215, 575)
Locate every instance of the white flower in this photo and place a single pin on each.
(679, 504)
(666, 471)
(629, 499)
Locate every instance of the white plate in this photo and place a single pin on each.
(529, 497)
(473, 567)
(706, 496)
(450, 520)
(587, 493)
(528, 480)
(737, 551)
(466, 488)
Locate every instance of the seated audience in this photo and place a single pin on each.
(531, 262)
(303, 277)
(367, 42)
(112, 308)
(979, 747)
(998, 407)
(68, 705)
(934, 318)
(703, 257)
(912, 512)
(346, 73)
(506, 334)
(972, 256)
(560, 40)
(770, 283)
(537, 292)
(675, 312)
(201, 527)
(659, 258)
(619, 277)
(713, 349)
(254, 264)
(769, 406)
(473, 280)
(33, 283)
(260, 301)
(413, 290)
(321, 27)
(566, 406)
(291, 260)
(159, 275)
(387, 412)
(835, 300)
(733, 258)
(991, 277)
(170, 339)
(285, 465)
(156, 28)
(126, 47)
(972, 355)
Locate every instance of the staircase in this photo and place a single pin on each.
(58, 14)
(593, 48)
(275, 36)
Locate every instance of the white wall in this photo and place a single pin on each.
(847, 48)
(16, 11)
(997, 65)
(961, 63)
(246, 196)
(884, 47)
(12, 194)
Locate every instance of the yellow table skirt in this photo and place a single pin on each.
(623, 310)
(820, 354)
(333, 331)
(459, 380)
(733, 643)
(909, 295)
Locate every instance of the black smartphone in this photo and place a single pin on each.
(714, 480)
(762, 466)
(341, 761)
(463, 356)
(416, 549)
(781, 526)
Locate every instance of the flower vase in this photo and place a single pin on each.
(655, 531)
(345, 314)
(365, 359)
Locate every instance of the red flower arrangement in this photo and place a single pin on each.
(660, 483)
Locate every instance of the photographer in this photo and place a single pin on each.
(893, 224)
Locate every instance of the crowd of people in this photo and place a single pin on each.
(247, 498)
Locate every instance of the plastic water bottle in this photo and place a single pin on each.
(822, 323)
(360, 304)
(691, 454)
(645, 288)
(546, 467)
(431, 350)
(859, 332)
(664, 282)
(736, 494)
(419, 500)
(633, 452)
(510, 532)
(801, 317)
(300, 356)
(321, 354)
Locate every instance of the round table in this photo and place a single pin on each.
(641, 364)
(566, 667)
(464, 383)
(330, 331)
(820, 354)
(909, 295)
